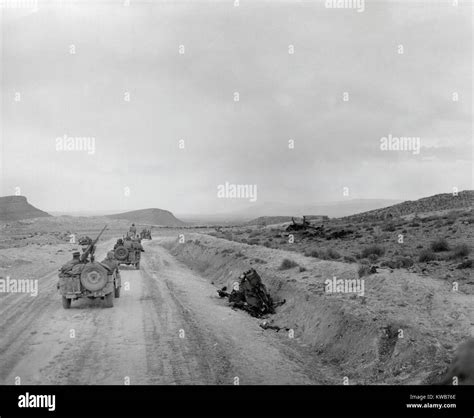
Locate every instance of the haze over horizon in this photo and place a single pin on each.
(122, 53)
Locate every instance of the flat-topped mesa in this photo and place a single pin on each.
(152, 216)
(14, 208)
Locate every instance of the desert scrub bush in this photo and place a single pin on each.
(404, 262)
(376, 250)
(254, 241)
(466, 264)
(460, 251)
(349, 259)
(389, 263)
(254, 233)
(453, 215)
(390, 227)
(440, 244)
(363, 270)
(302, 269)
(426, 255)
(314, 253)
(287, 264)
(398, 263)
(332, 254)
(430, 218)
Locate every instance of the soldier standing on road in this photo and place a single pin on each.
(133, 230)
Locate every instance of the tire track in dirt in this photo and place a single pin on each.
(140, 340)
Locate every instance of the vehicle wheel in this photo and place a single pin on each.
(117, 292)
(66, 302)
(94, 276)
(121, 253)
(109, 300)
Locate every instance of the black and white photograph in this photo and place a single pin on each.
(255, 193)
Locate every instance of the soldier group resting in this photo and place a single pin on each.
(250, 294)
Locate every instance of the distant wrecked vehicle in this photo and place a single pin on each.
(128, 251)
(83, 277)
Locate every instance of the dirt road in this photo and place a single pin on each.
(168, 327)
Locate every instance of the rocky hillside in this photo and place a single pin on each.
(150, 217)
(14, 208)
(439, 202)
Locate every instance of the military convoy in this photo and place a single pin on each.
(128, 251)
(145, 234)
(83, 277)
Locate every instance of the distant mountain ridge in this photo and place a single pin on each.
(15, 208)
(439, 202)
(152, 216)
(331, 209)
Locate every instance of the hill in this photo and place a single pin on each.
(15, 208)
(426, 205)
(331, 209)
(151, 216)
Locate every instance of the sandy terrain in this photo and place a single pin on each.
(170, 327)
(357, 335)
(140, 338)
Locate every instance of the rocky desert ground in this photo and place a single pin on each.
(415, 307)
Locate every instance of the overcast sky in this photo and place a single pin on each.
(66, 70)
